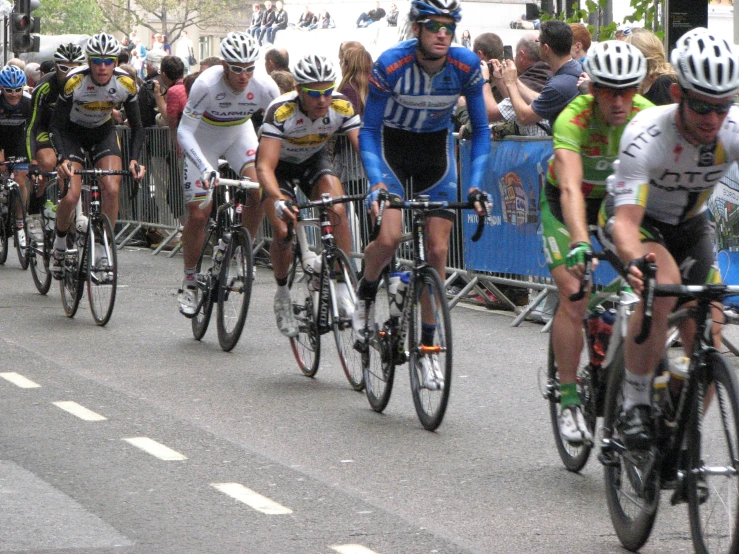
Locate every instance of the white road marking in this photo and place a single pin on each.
(352, 549)
(252, 499)
(19, 381)
(79, 411)
(155, 449)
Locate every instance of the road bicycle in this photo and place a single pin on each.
(226, 262)
(39, 252)
(696, 425)
(319, 267)
(10, 202)
(394, 337)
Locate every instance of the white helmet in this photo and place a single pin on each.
(239, 48)
(314, 69)
(103, 44)
(706, 64)
(616, 64)
(69, 53)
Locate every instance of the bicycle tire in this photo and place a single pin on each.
(573, 456)
(207, 291)
(351, 360)
(378, 363)
(20, 250)
(39, 260)
(102, 283)
(714, 455)
(431, 404)
(632, 528)
(306, 345)
(72, 283)
(4, 224)
(234, 288)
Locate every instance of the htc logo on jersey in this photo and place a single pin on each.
(641, 139)
(687, 181)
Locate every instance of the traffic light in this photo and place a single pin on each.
(24, 28)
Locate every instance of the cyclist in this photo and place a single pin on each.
(585, 138)
(670, 159)
(82, 123)
(407, 135)
(15, 109)
(292, 151)
(38, 142)
(217, 122)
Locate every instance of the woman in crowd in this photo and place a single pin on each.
(466, 39)
(660, 74)
(356, 65)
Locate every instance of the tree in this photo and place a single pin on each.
(173, 15)
(61, 17)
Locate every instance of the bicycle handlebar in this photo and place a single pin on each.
(243, 184)
(588, 277)
(325, 201)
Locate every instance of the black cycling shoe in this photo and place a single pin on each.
(635, 427)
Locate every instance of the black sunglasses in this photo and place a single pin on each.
(704, 108)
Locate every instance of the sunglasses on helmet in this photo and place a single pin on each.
(238, 70)
(436, 26)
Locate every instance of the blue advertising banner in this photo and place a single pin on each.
(511, 242)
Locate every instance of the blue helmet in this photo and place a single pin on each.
(12, 77)
(421, 9)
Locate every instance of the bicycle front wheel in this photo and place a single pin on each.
(102, 269)
(343, 274)
(72, 283)
(430, 348)
(20, 249)
(713, 480)
(378, 354)
(632, 482)
(39, 258)
(234, 288)
(307, 344)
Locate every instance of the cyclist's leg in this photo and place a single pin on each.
(46, 160)
(241, 156)
(20, 177)
(110, 185)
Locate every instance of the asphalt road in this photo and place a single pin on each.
(135, 438)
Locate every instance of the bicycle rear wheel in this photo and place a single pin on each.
(378, 363)
(72, 283)
(17, 200)
(430, 396)
(307, 344)
(574, 456)
(102, 269)
(714, 459)
(207, 283)
(351, 361)
(632, 480)
(234, 288)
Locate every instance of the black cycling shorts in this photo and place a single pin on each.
(98, 142)
(304, 175)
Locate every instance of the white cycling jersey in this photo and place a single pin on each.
(661, 171)
(301, 137)
(92, 104)
(216, 117)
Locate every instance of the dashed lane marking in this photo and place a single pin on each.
(352, 549)
(156, 449)
(79, 411)
(252, 499)
(19, 381)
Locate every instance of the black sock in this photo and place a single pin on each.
(367, 290)
(281, 282)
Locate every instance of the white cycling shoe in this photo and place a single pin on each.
(572, 425)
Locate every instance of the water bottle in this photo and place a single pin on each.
(50, 215)
(314, 271)
(662, 396)
(218, 254)
(397, 287)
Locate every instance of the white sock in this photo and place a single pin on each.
(282, 291)
(60, 243)
(637, 389)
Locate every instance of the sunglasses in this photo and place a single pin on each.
(13, 90)
(628, 92)
(64, 68)
(316, 93)
(238, 70)
(102, 61)
(436, 26)
(704, 108)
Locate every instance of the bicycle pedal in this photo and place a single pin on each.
(609, 459)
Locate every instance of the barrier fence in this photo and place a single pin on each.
(507, 262)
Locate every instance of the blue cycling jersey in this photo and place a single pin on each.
(403, 96)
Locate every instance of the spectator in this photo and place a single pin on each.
(165, 45)
(276, 59)
(488, 47)
(279, 24)
(17, 62)
(189, 80)
(139, 55)
(366, 19)
(156, 43)
(173, 73)
(209, 62)
(33, 75)
(307, 18)
(581, 40)
(324, 22)
(46, 66)
(622, 32)
(284, 79)
(466, 39)
(184, 51)
(555, 45)
(532, 24)
(392, 16)
(356, 66)
(256, 21)
(151, 93)
(660, 74)
(267, 21)
(344, 46)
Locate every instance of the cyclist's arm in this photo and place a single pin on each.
(268, 156)
(38, 116)
(189, 123)
(58, 125)
(133, 113)
(370, 135)
(569, 172)
(480, 134)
